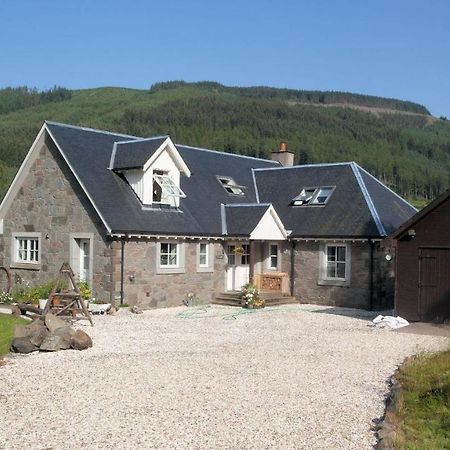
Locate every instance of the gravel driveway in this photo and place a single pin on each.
(290, 377)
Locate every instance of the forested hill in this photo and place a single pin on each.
(397, 141)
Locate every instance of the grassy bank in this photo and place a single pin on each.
(424, 403)
(7, 324)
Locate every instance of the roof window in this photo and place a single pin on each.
(166, 187)
(313, 196)
(230, 186)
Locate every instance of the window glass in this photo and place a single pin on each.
(231, 254)
(231, 186)
(313, 196)
(336, 261)
(245, 257)
(322, 195)
(203, 255)
(273, 256)
(168, 256)
(27, 250)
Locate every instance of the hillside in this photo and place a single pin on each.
(399, 142)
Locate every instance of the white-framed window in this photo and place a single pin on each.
(335, 264)
(165, 190)
(26, 248)
(313, 196)
(336, 260)
(245, 257)
(272, 261)
(205, 257)
(170, 257)
(230, 185)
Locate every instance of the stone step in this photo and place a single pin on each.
(236, 301)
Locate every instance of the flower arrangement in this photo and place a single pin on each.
(191, 299)
(239, 250)
(84, 289)
(6, 297)
(250, 297)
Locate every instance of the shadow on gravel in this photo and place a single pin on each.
(360, 314)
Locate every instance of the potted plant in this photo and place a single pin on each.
(250, 297)
(85, 291)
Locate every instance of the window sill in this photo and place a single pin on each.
(341, 283)
(26, 266)
(205, 269)
(169, 270)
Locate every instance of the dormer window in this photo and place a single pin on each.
(164, 188)
(316, 196)
(231, 186)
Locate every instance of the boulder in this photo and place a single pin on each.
(53, 322)
(22, 345)
(112, 310)
(29, 329)
(136, 310)
(15, 311)
(80, 340)
(51, 343)
(38, 336)
(66, 334)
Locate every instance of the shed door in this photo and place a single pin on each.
(434, 283)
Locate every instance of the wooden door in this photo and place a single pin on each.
(434, 283)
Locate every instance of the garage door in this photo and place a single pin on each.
(434, 283)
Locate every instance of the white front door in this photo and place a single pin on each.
(85, 256)
(238, 269)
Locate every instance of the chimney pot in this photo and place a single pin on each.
(283, 146)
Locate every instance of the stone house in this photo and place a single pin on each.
(146, 221)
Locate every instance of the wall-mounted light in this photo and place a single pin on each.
(131, 277)
(47, 237)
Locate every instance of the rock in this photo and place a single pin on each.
(22, 345)
(53, 323)
(38, 336)
(51, 343)
(80, 340)
(21, 331)
(136, 310)
(66, 334)
(15, 311)
(30, 329)
(112, 311)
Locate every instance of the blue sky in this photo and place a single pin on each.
(391, 48)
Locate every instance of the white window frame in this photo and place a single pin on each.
(168, 186)
(209, 266)
(270, 255)
(313, 198)
(28, 237)
(230, 186)
(178, 267)
(335, 281)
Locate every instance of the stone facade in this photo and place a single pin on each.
(51, 202)
(145, 287)
(308, 287)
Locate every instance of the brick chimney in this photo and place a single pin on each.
(283, 156)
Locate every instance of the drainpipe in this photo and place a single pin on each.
(122, 259)
(372, 245)
(292, 267)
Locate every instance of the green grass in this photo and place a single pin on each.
(7, 324)
(424, 403)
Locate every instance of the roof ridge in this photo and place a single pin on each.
(368, 199)
(95, 130)
(387, 187)
(132, 141)
(301, 166)
(226, 153)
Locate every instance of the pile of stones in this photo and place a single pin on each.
(48, 333)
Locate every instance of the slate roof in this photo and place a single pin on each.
(135, 153)
(241, 219)
(359, 207)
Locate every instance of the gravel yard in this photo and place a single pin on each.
(298, 376)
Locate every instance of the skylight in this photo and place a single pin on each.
(313, 196)
(230, 186)
(169, 188)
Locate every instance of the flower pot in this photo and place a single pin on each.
(43, 302)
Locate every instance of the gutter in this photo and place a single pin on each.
(122, 260)
(371, 290)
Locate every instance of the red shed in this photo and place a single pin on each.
(422, 284)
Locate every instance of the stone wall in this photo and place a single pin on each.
(306, 285)
(144, 286)
(51, 202)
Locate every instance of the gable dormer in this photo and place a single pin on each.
(153, 168)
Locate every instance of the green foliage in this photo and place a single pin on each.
(12, 99)
(25, 293)
(424, 404)
(7, 324)
(84, 289)
(408, 151)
